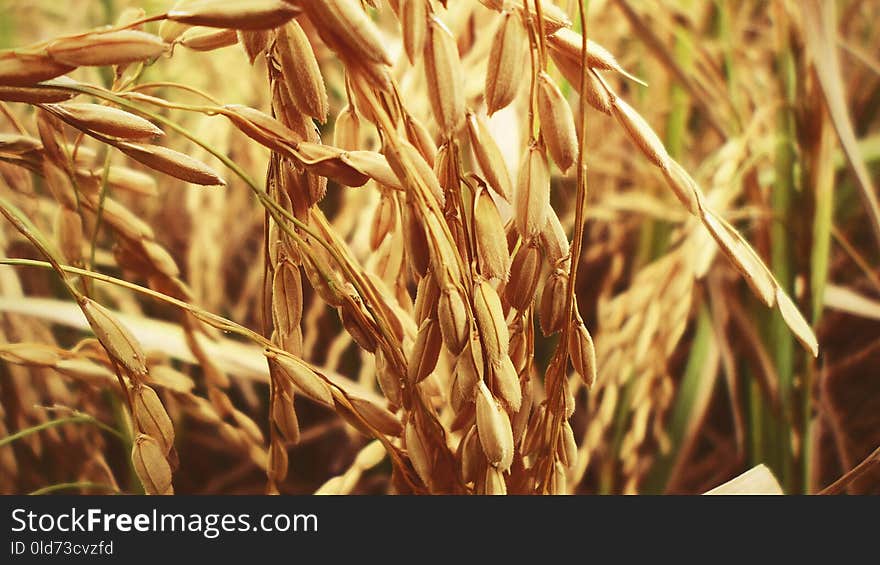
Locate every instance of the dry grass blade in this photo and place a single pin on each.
(820, 19)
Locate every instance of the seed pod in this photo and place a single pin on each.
(641, 133)
(594, 91)
(276, 467)
(328, 162)
(416, 243)
(504, 72)
(235, 14)
(373, 165)
(521, 418)
(208, 39)
(532, 196)
(70, 235)
(469, 367)
(384, 220)
(495, 485)
(414, 25)
(552, 311)
(347, 129)
(301, 72)
(452, 313)
(425, 353)
(378, 417)
(492, 253)
(418, 452)
(151, 466)
(116, 338)
(569, 44)
(559, 480)
(87, 371)
(490, 321)
(684, 187)
(151, 418)
(420, 138)
(131, 180)
(172, 163)
(389, 380)
(287, 299)
(106, 48)
(569, 452)
(489, 157)
(444, 72)
(557, 123)
(327, 290)
(472, 458)
(519, 348)
(255, 43)
(357, 326)
(303, 378)
(19, 69)
(554, 241)
(263, 128)
(493, 427)
(345, 26)
(104, 120)
(526, 269)
(507, 385)
(422, 170)
(284, 416)
(34, 95)
(29, 354)
(582, 353)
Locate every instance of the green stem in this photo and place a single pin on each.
(78, 418)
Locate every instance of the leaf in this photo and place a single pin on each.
(820, 34)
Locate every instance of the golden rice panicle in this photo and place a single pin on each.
(27, 69)
(119, 342)
(495, 485)
(552, 309)
(532, 197)
(506, 381)
(524, 273)
(172, 163)
(796, 322)
(494, 430)
(254, 42)
(445, 75)
(301, 72)
(490, 320)
(347, 129)
(557, 123)
(104, 120)
(151, 466)
(489, 157)
(425, 352)
(492, 253)
(641, 133)
(414, 25)
(306, 381)
(582, 353)
(234, 14)
(418, 452)
(106, 48)
(454, 319)
(151, 418)
(284, 416)
(504, 69)
(345, 26)
(208, 39)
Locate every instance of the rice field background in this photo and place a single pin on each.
(439, 247)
